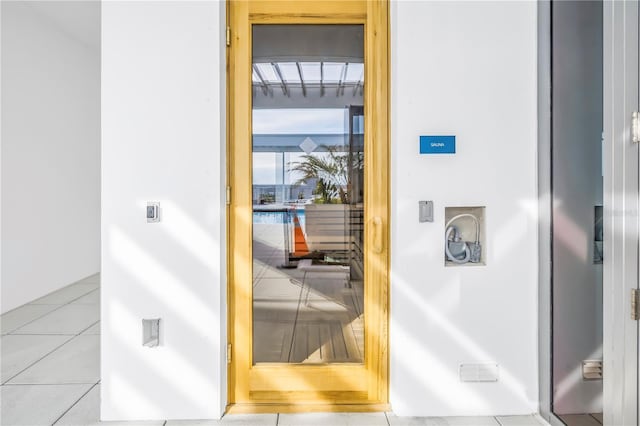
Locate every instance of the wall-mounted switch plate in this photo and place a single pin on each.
(151, 332)
(153, 212)
(425, 211)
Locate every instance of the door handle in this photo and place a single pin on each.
(378, 246)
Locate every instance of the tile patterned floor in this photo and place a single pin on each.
(49, 361)
(594, 419)
(50, 373)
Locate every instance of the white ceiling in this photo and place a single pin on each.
(79, 19)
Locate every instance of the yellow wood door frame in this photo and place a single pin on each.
(332, 387)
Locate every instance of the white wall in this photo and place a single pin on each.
(163, 140)
(462, 68)
(577, 189)
(50, 154)
(469, 69)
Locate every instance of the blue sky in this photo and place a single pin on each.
(307, 120)
(274, 121)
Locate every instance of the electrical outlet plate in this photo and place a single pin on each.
(153, 212)
(151, 332)
(425, 211)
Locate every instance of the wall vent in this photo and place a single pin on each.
(592, 369)
(479, 372)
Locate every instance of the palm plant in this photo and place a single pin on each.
(330, 172)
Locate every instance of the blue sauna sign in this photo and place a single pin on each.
(437, 144)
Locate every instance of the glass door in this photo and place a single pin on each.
(578, 250)
(308, 258)
(307, 80)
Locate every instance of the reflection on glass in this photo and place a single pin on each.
(308, 193)
(598, 235)
(577, 250)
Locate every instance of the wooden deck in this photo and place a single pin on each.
(303, 316)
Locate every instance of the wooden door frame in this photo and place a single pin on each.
(374, 15)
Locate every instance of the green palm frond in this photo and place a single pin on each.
(331, 172)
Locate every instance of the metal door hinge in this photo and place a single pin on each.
(229, 353)
(635, 127)
(228, 36)
(228, 195)
(635, 304)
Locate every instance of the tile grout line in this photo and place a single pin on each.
(295, 321)
(387, 419)
(88, 329)
(48, 384)
(277, 419)
(58, 308)
(497, 420)
(595, 418)
(38, 360)
(35, 319)
(42, 334)
(50, 352)
(74, 404)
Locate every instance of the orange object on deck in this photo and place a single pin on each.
(300, 243)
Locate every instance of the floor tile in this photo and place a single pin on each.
(441, 421)
(84, 412)
(87, 413)
(334, 419)
(92, 297)
(19, 407)
(598, 417)
(249, 419)
(93, 279)
(94, 329)
(131, 423)
(520, 421)
(579, 420)
(77, 361)
(65, 294)
(69, 319)
(24, 314)
(230, 419)
(19, 351)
